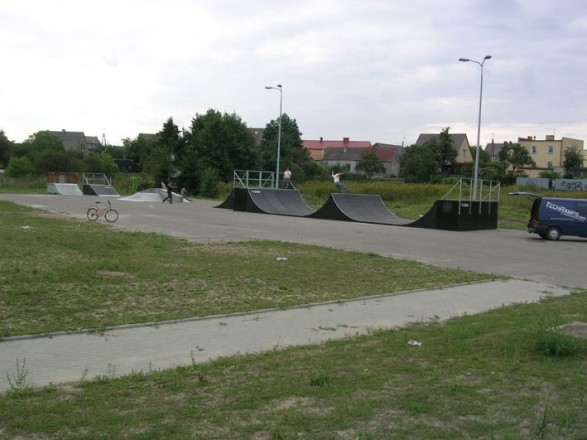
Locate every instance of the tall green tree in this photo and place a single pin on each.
(515, 155)
(573, 161)
(222, 142)
(6, 147)
(444, 149)
(418, 165)
(427, 162)
(370, 164)
(20, 167)
(137, 151)
(292, 154)
(41, 141)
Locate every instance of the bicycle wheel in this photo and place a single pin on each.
(92, 214)
(111, 215)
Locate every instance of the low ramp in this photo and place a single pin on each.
(229, 202)
(454, 215)
(270, 201)
(364, 208)
(65, 189)
(152, 195)
(100, 190)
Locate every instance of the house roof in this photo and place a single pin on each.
(322, 144)
(384, 154)
(459, 139)
(493, 148)
(72, 140)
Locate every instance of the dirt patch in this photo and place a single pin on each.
(113, 273)
(577, 328)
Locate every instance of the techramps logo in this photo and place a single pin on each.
(566, 211)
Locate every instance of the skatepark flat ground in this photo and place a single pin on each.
(539, 268)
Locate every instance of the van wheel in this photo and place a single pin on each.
(553, 233)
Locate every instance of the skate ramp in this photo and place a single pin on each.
(229, 202)
(100, 190)
(152, 195)
(363, 208)
(65, 189)
(454, 215)
(270, 201)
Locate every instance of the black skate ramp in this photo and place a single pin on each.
(99, 190)
(454, 215)
(270, 201)
(364, 208)
(229, 202)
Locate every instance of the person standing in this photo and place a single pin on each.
(286, 179)
(169, 191)
(184, 194)
(339, 185)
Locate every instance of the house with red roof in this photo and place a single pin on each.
(316, 148)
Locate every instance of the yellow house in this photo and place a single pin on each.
(548, 153)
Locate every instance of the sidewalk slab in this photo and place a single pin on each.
(70, 357)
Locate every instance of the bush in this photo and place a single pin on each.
(549, 341)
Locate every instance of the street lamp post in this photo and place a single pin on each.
(279, 87)
(476, 172)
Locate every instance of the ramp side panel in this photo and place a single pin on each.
(445, 215)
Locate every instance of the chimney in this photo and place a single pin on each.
(321, 139)
(550, 137)
(345, 140)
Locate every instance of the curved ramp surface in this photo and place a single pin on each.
(364, 208)
(100, 190)
(66, 189)
(271, 201)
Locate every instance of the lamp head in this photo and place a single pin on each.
(463, 59)
(487, 57)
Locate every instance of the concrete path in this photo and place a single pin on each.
(537, 266)
(65, 358)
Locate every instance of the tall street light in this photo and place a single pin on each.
(476, 175)
(279, 87)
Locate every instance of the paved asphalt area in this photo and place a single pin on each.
(538, 268)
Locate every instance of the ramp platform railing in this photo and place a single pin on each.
(95, 179)
(256, 179)
(487, 194)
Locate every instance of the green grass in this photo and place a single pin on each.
(473, 377)
(500, 375)
(65, 274)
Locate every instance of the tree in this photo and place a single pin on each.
(515, 155)
(426, 162)
(444, 149)
(5, 149)
(418, 165)
(573, 161)
(370, 164)
(41, 141)
(222, 142)
(20, 167)
(292, 154)
(52, 160)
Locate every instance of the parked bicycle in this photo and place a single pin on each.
(109, 213)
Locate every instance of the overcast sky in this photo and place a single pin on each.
(371, 70)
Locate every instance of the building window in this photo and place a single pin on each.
(550, 167)
(550, 149)
(534, 149)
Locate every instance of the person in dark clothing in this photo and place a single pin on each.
(169, 186)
